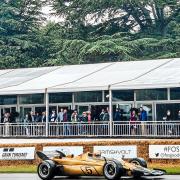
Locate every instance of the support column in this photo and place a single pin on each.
(110, 112)
(47, 111)
(73, 104)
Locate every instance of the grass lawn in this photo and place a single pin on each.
(171, 169)
(18, 169)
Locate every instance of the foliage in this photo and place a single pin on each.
(93, 31)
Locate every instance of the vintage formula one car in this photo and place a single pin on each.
(92, 164)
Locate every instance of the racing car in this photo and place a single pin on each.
(91, 164)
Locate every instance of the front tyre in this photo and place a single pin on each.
(46, 170)
(113, 170)
(139, 161)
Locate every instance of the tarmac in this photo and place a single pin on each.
(35, 177)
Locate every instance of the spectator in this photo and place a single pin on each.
(6, 121)
(66, 125)
(53, 116)
(101, 116)
(169, 118)
(60, 115)
(31, 117)
(89, 116)
(37, 117)
(74, 117)
(133, 120)
(117, 115)
(43, 117)
(143, 119)
(84, 117)
(106, 115)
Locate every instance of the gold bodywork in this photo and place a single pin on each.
(87, 164)
(84, 164)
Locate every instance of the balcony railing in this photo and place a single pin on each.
(159, 129)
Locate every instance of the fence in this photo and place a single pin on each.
(94, 129)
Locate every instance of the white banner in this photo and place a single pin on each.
(17, 153)
(164, 151)
(76, 150)
(117, 151)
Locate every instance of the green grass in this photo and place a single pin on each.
(18, 169)
(170, 169)
(33, 169)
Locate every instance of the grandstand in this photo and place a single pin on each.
(151, 84)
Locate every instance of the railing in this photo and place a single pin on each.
(94, 129)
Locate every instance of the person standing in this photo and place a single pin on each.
(65, 121)
(60, 115)
(6, 121)
(143, 120)
(117, 115)
(133, 120)
(169, 119)
(53, 116)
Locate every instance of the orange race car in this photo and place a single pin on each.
(91, 164)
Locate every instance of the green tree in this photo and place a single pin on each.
(20, 41)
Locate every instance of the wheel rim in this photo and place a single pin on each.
(110, 170)
(44, 170)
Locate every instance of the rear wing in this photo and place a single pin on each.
(46, 155)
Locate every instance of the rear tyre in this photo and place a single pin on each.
(113, 170)
(139, 161)
(46, 170)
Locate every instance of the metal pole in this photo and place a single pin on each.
(47, 111)
(110, 113)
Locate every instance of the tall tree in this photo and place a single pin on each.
(149, 16)
(20, 41)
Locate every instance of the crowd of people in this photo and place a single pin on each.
(137, 121)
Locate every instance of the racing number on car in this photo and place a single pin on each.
(89, 170)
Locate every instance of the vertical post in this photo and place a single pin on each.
(47, 111)
(73, 105)
(110, 113)
(18, 110)
(168, 94)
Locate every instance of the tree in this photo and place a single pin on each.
(149, 16)
(20, 41)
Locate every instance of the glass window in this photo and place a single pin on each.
(120, 95)
(5, 100)
(175, 93)
(88, 96)
(60, 97)
(31, 99)
(151, 94)
(161, 110)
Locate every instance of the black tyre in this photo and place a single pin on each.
(46, 170)
(139, 161)
(113, 170)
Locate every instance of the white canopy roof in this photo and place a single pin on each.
(89, 77)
